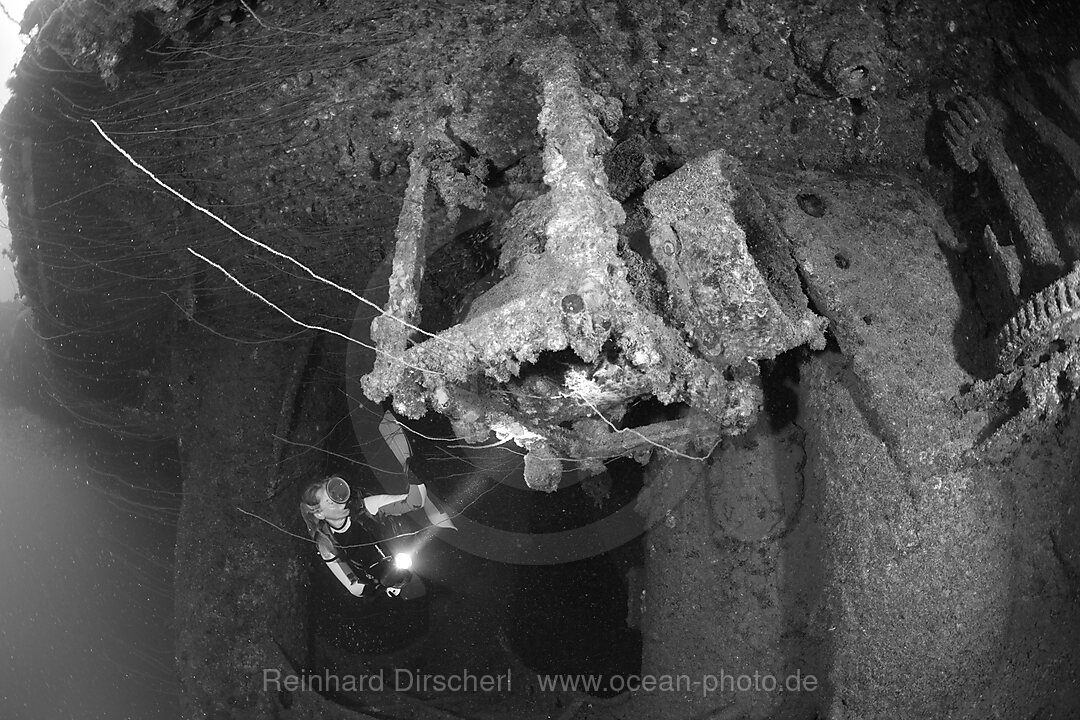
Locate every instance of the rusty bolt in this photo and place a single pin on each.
(572, 303)
(708, 337)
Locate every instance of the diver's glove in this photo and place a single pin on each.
(371, 589)
(365, 588)
(393, 591)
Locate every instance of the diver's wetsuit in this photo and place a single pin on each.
(355, 543)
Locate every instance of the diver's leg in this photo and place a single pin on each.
(394, 436)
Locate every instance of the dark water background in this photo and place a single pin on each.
(87, 528)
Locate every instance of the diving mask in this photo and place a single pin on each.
(338, 490)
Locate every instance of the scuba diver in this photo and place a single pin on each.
(345, 532)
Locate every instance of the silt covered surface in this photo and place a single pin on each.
(951, 581)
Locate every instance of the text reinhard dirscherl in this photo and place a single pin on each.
(401, 680)
(409, 680)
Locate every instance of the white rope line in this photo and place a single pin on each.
(619, 431)
(180, 196)
(301, 323)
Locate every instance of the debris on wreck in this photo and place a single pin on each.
(973, 132)
(1036, 351)
(1048, 321)
(554, 354)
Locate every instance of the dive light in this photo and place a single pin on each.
(394, 571)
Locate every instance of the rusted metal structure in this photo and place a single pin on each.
(552, 356)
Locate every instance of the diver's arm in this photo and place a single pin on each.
(344, 572)
(347, 577)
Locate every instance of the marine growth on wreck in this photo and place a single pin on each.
(737, 340)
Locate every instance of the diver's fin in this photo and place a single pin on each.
(394, 436)
(437, 517)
